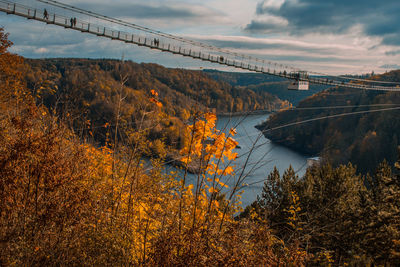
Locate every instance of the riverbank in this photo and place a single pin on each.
(287, 142)
(243, 113)
(264, 155)
(194, 167)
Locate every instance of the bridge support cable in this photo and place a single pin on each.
(176, 45)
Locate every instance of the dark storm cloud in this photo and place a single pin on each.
(259, 26)
(378, 18)
(141, 11)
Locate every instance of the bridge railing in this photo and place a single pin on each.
(175, 46)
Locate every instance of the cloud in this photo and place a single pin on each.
(253, 43)
(41, 50)
(155, 13)
(141, 10)
(158, 14)
(377, 18)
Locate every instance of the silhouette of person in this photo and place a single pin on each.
(72, 22)
(45, 14)
(75, 22)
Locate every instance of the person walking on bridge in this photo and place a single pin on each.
(45, 14)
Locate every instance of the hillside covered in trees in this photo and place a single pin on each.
(98, 93)
(66, 201)
(178, 88)
(364, 139)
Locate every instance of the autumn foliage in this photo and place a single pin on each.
(77, 194)
(65, 200)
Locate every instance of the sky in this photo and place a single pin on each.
(328, 36)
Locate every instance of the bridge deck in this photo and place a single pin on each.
(175, 48)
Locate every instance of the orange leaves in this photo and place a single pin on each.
(153, 92)
(232, 156)
(186, 159)
(111, 204)
(159, 104)
(210, 119)
(154, 98)
(212, 190)
(155, 101)
(228, 170)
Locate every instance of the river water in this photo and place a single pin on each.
(262, 159)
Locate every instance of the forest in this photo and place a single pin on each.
(364, 139)
(90, 92)
(179, 88)
(69, 200)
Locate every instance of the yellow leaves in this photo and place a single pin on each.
(210, 118)
(186, 160)
(232, 156)
(101, 161)
(294, 210)
(253, 214)
(212, 190)
(228, 170)
(185, 114)
(204, 140)
(221, 183)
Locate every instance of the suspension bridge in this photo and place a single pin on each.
(154, 39)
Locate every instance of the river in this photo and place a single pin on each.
(262, 160)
